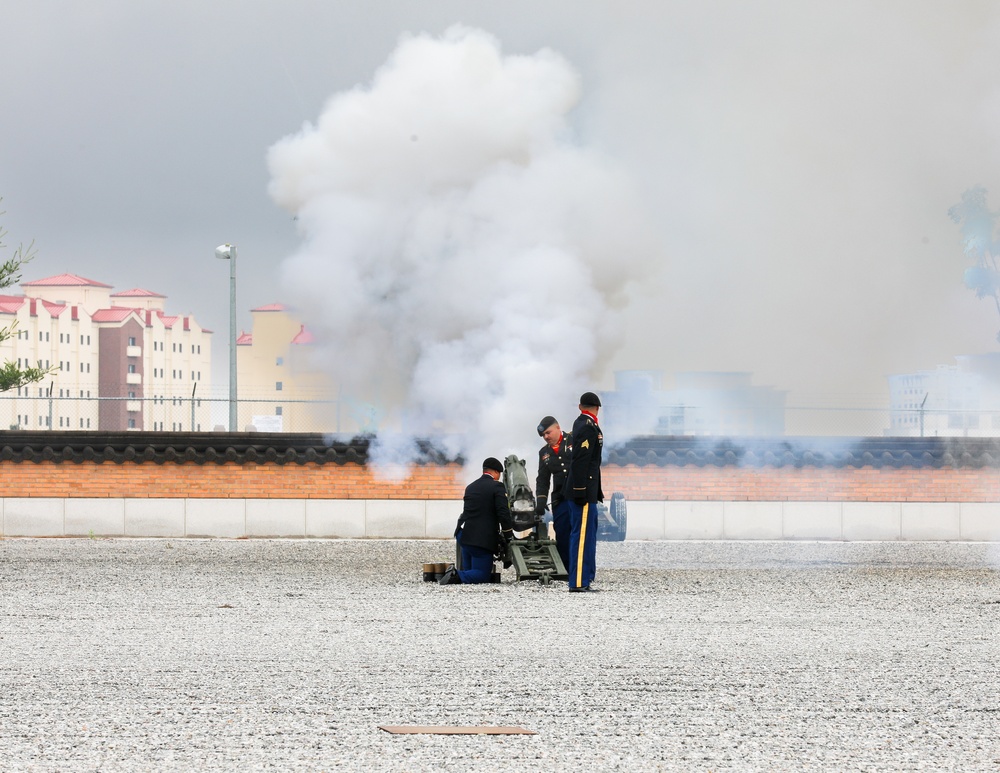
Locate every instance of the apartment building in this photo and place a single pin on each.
(282, 386)
(122, 363)
(961, 400)
(700, 403)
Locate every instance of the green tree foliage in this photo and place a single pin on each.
(11, 375)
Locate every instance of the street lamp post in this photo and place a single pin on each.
(228, 252)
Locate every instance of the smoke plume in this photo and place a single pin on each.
(463, 258)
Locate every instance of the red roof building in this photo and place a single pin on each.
(119, 362)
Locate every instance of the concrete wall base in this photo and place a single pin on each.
(424, 519)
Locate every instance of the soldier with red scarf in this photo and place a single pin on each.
(553, 466)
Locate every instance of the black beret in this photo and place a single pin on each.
(492, 464)
(589, 398)
(545, 423)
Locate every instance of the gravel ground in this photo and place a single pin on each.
(288, 655)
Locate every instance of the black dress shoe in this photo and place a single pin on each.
(450, 577)
(584, 589)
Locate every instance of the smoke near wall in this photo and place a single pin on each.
(464, 259)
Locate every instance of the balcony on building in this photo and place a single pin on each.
(133, 378)
(133, 406)
(133, 351)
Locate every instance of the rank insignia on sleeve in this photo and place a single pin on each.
(585, 444)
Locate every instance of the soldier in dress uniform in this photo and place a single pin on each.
(553, 466)
(583, 490)
(484, 524)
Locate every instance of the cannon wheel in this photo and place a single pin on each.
(619, 513)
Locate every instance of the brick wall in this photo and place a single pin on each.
(804, 484)
(129, 480)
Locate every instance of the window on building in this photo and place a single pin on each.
(131, 423)
(131, 368)
(131, 340)
(277, 385)
(279, 361)
(131, 395)
(277, 411)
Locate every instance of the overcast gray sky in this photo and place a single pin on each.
(797, 159)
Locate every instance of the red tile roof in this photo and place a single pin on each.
(303, 336)
(54, 309)
(65, 280)
(115, 314)
(10, 304)
(245, 339)
(271, 307)
(137, 292)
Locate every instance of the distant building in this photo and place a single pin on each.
(961, 400)
(123, 363)
(281, 386)
(700, 403)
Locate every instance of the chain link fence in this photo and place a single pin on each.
(343, 416)
(182, 414)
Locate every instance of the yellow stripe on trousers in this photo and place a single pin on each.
(579, 550)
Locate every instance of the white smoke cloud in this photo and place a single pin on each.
(462, 256)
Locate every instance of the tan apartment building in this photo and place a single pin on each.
(282, 387)
(122, 362)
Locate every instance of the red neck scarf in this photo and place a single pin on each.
(588, 413)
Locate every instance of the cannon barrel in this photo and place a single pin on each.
(519, 494)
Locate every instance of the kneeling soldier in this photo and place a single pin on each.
(484, 516)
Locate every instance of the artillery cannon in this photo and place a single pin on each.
(612, 519)
(533, 555)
